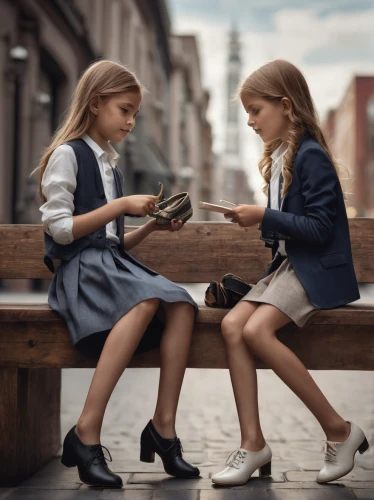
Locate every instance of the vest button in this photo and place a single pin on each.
(99, 236)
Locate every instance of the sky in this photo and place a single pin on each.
(329, 41)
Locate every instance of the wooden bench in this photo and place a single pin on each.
(35, 344)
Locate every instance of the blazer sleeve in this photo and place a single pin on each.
(318, 180)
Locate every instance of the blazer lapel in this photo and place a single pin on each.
(281, 201)
(306, 135)
(280, 184)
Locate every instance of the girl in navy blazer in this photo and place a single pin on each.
(305, 223)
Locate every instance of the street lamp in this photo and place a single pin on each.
(18, 56)
(43, 99)
(18, 53)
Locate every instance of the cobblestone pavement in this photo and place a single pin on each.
(208, 427)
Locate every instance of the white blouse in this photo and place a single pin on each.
(58, 186)
(276, 169)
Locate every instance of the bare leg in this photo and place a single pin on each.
(260, 335)
(174, 350)
(243, 375)
(117, 353)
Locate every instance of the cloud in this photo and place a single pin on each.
(258, 15)
(348, 37)
(344, 6)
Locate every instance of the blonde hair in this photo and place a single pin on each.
(274, 81)
(101, 79)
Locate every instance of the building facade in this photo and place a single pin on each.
(350, 130)
(43, 49)
(190, 132)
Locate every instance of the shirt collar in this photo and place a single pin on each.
(279, 152)
(109, 153)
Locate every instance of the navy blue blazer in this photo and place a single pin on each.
(313, 221)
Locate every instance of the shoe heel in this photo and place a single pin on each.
(265, 470)
(67, 460)
(146, 454)
(363, 446)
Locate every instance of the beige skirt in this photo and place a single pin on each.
(282, 289)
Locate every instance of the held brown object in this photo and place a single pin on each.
(176, 207)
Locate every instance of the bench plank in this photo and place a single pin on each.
(198, 253)
(352, 314)
(44, 343)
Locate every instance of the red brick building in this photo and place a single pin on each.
(350, 131)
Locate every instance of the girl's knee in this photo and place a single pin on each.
(231, 330)
(254, 334)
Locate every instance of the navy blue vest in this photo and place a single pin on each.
(89, 195)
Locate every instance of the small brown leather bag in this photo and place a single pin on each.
(227, 293)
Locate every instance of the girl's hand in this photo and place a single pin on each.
(174, 226)
(140, 204)
(246, 215)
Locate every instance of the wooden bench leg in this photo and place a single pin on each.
(29, 421)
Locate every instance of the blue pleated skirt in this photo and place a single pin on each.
(97, 287)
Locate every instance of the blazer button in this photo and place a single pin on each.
(99, 236)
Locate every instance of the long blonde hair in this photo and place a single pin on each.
(273, 81)
(101, 79)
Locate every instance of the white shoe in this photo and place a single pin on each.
(339, 456)
(242, 464)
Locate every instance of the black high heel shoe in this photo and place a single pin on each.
(90, 460)
(169, 450)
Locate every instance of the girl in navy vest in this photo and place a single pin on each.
(305, 224)
(112, 304)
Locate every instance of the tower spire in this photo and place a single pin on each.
(234, 176)
(233, 80)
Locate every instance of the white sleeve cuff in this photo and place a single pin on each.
(61, 230)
